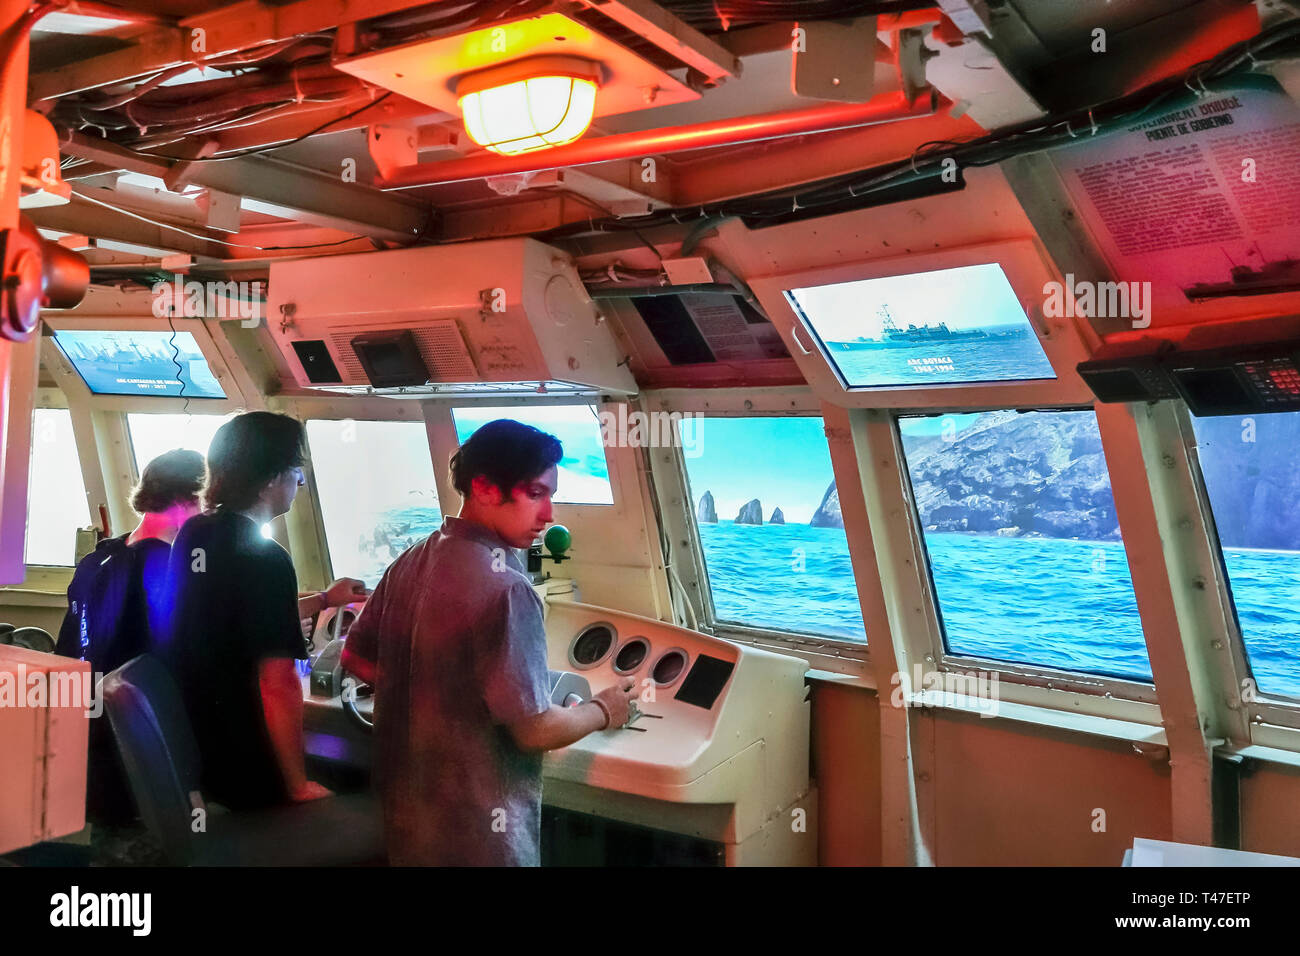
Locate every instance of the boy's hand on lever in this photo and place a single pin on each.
(345, 591)
(558, 726)
(616, 701)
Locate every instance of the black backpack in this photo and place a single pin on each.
(104, 623)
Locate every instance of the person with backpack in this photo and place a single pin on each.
(117, 606)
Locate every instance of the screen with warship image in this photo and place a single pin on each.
(139, 362)
(947, 327)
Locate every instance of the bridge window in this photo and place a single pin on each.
(1252, 477)
(1024, 547)
(764, 500)
(151, 435)
(375, 485)
(583, 471)
(56, 494)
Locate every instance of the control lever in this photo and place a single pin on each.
(569, 689)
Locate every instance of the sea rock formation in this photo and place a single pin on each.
(1044, 475)
(751, 512)
(1008, 474)
(1040, 475)
(777, 517)
(707, 513)
(828, 514)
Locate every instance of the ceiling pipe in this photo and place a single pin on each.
(885, 108)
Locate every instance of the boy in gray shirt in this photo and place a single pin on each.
(453, 641)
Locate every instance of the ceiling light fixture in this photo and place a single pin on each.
(529, 104)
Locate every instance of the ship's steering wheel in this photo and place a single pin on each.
(355, 690)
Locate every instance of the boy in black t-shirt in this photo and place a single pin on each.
(234, 634)
(116, 606)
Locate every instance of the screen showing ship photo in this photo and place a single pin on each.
(928, 328)
(140, 362)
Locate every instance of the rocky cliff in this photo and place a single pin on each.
(707, 513)
(1008, 474)
(1015, 475)
(1044, 475)
(777, 517)
(828, 514)
(751, 512)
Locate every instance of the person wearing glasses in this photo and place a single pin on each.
(234, 633)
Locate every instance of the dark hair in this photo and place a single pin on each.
(174, 477)
(505, 452)
(247, 452)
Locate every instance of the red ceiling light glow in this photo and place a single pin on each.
(529, 104)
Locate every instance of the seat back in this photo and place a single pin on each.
(158, 750)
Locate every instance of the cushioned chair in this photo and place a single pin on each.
(161, 757)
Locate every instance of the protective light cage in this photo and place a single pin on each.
(528, 105)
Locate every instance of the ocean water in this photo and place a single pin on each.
(1051, 602)
(1045, 601)
(394, 531)
(982, 360)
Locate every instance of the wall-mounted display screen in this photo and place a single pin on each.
(139, 362)
(947, 327)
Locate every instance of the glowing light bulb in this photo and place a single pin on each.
(528, 105)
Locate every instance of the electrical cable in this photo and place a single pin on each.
(850, 190)
(608, 212)
(176, 359)
(262, 149)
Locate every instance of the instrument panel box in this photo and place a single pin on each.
(44, 723)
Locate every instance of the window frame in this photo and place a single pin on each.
(315, 523)
(1271, 719)
(305, 526)
(898, 539)
(52, 577)
(306, 530)
(1021, 672)
(822, 651)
